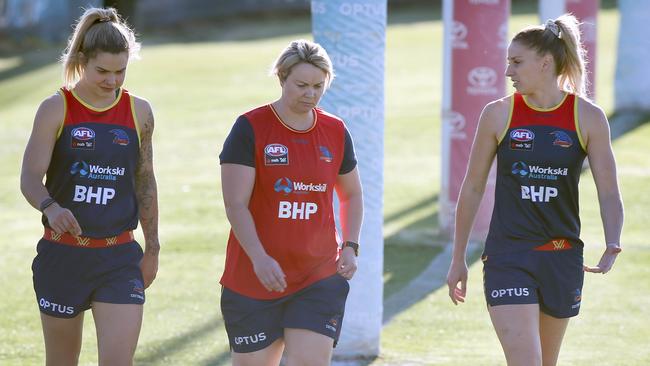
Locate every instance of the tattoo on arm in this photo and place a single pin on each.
(146, 189)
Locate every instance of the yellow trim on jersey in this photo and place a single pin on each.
(293, 129)
(505, 130)
(577, 122)
(545, 109)
(65, 113)
(135, 118)
(119, 95)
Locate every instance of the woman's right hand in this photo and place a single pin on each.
(457, 274)
(269, 273)
(62, 220)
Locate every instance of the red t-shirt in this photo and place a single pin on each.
(291, 202)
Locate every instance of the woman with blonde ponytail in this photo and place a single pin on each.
(92, 141)
(532, 263)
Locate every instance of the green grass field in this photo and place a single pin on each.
(198, 81)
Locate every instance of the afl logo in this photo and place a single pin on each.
(82, 138)
(522, 135)
(276, 154)
(275, 150)
(83, 133)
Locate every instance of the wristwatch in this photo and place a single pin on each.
(352, 245)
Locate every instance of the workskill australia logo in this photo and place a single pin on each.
(286, 186)
(522, 139)
(521, 169)
(96, 172)
(276, 154)
(82, 138)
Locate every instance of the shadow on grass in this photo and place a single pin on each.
(29, 61)
(156, 353)
(416, 259)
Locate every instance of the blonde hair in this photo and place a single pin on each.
(97, 30)
(561, 38)
(302, 51)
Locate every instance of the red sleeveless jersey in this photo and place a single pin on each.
(92, 169)
(291, 202)
(539, 161)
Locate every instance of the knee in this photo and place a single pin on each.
(62, 358)
(116, 359)
(307, 358)
(524, 357)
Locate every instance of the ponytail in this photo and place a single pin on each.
(561, 38)
(97, 30)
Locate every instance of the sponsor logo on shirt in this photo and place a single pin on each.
(82, 138)
(325, 154)
(286, 186)
(522, 139)
(91, 194)
(522, 169)
(92, 171)
(562, 139)
(121, 137)
(538, 193)
(276, 154)
(296, 210)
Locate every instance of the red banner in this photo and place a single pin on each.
(479, 41)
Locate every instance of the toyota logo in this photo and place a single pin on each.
(455, 120)
(458, 31)
(482, 77)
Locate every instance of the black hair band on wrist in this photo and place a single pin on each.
(352, 245)
(46, 203)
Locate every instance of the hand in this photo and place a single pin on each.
(457, 274)
(149, 267)
(270, 274)
(62, 220)
(347, 264)
(606, 260)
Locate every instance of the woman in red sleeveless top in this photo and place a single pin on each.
(285, 277)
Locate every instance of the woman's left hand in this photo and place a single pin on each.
(347, 264)
(606, 260)
(149, 267)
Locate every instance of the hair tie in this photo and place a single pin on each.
(550, 25)
(104, 19)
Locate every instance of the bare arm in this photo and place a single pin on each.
(146, 192)
(348, 189)
(237, 185)
(603, 167)
(491, 124)
(36, 160)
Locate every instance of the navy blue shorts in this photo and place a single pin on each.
(68, 279)
(552, 279)
(254, 324)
